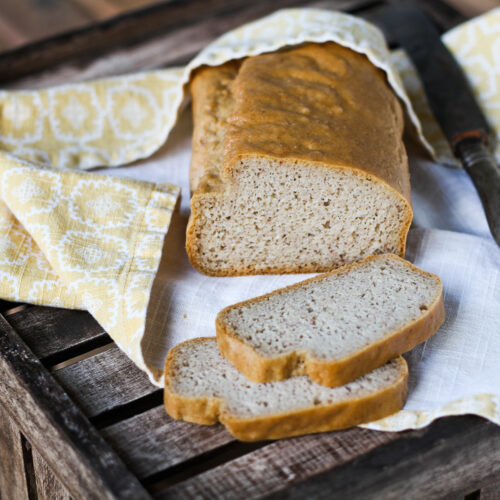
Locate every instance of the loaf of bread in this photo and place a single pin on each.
(335, 327)
(202, 387)
(298, 164)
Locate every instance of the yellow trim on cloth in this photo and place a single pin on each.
(76, 239)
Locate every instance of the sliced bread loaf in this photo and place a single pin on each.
(334, 327)
(298, 164)
(202, 387)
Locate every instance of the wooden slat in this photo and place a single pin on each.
(104, 381)
(152, 441)
(471, 8)
(10, 37)
(102, 9)
(52, 423)
(49, 331)
(48, 487)
(36, 19)
(280, 464)
(491, 490)
(163, 35)
(12, 477)
(448, 457)
(131, 4)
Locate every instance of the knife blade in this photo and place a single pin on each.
(450, 98)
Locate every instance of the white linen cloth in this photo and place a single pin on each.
(456, 371)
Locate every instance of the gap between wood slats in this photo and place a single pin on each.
(29, 468)
(70, 356)
(105, 381)
(475, 495)
(49, 330)
(15, 309)
(128, 410)
(7, 307)
(209, 460)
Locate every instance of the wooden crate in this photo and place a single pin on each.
(78, 419)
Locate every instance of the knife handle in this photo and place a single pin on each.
(480, 164)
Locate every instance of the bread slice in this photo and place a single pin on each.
(334, 327)
(202, 387)
(298, 164)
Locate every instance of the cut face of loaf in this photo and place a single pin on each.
(202, 387)
(334, 327)
(298, 164)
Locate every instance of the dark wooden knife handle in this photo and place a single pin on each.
(485, 174)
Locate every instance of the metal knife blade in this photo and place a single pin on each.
(450, 98)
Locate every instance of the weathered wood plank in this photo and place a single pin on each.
(491, 490)
(36, 18)
(86, 464)
(104, 381)
(280, 464)
(152, 441)
(48, 331)
(12, 477)
(48, 487)
(163, 35)
(452, 455)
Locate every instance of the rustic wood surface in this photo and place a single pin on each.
(48, 487)
(55, 335)
(49, 18)
(12, 478)
(104, 381)
(23, 21)
(431, 463)
(133, 43)
(97, 426)
(154, 442)
(491, 491)
(62, 434)
(164, 35)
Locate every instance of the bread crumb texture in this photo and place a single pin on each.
(333, 327)
(203, 387)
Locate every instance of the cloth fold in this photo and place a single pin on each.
(115, 246)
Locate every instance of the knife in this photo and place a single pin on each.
(450, 99)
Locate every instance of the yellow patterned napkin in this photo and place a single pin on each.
(80, 240)
(83, 241)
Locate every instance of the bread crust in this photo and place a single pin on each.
(226, 133)
(328, 373)
(320, 418)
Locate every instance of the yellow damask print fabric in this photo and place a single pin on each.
(108, 122)
(70, 238)
(83, 241)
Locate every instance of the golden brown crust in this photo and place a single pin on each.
(211, 92)
(327, 417)
(329, 373)
(340, 106)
